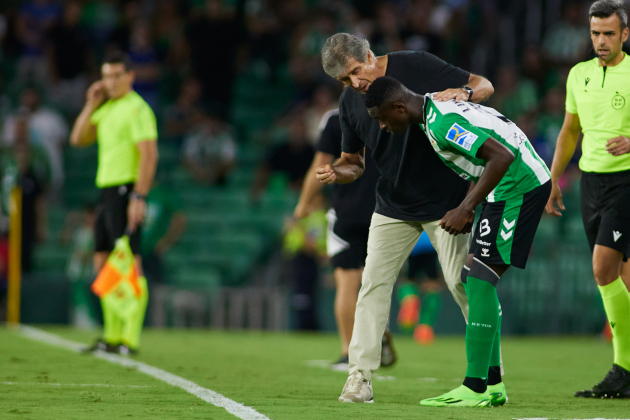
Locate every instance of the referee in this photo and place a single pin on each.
(598, 92)
(124, 127)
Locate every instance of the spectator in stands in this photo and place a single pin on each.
(144, 61)
(32, 168)
(567, 42)
(551, 119)
(514, 96)
(323, 101)
(47, 130)
(69, 60)
(184, 113)
(34, 21)
(209, 149)
(292, 158)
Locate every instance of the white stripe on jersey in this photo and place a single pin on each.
(325, 118)
(458, 160)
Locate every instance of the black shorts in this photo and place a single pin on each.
(423, 265)
(506, 229)
(605, 202)
(346, 243)
(111, 219)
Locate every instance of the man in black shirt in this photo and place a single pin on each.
(348, 227)
(413, 193)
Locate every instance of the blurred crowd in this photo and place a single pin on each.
(188, 55)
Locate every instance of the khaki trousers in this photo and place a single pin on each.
(389, 244)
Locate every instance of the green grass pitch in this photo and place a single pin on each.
(272, 373)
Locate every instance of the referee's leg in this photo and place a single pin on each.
(389, 244)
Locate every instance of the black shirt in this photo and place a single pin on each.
(293, 160)
(414, 185)
(354, 203)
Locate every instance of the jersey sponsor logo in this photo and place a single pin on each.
(618, 101)
(484, 227)
(484, 243)
(588, 79)
(616, 235)
(485, 252)
(507, 233)
(460, 136)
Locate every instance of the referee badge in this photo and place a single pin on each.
(618, 101)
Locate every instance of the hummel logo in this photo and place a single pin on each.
(484, 252)
(508, 226)
(616, 235)
(588, 79)
(612, 324)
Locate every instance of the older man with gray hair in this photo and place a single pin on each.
(414, 192)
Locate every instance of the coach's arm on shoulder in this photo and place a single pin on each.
(565, 148)
(348, 168)
(498, 160)
(482, 90)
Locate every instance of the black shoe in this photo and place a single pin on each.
(341, 364)
(125, 350)
(616, 384)
(388, 353)
(102, 345)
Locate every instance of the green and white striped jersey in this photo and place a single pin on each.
(456, 130)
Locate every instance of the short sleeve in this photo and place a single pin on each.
(350, 141)
(457, 134)
(98, 114)
(442, 74)
(571, 105)
(330, 137)
(143, 125)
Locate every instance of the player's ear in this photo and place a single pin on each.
(399, 106)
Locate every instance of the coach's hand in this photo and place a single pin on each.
(555, 196)
(135, 213)
(326, 174)
(618, 146)
(458, 94)
(457, 221)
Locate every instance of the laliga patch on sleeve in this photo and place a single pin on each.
(460, 136)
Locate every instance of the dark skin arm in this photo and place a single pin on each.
(498, 159)
(348, 168)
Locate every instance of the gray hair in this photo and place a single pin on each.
(339, 48)
(605, 8)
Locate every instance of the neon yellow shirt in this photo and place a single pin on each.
(120, 125)
(601, 98)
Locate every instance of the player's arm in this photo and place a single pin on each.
(83, 131)
(498, 160)
(565, 148)
(148, 163)
(312, 186)
(348, 168)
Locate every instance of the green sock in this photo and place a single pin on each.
(617, 304)
(495, 356)
(132, 327)
(431, 304)
(483, 320)
(407, 289)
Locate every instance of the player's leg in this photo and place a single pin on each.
(389, 244)
(348, 282)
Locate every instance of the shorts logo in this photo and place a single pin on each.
(616, 235)
(484, 227)
(460, 136)
(618, 101)
(506, 234)
(484, 252)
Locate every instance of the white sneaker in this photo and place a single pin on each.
(357, 390)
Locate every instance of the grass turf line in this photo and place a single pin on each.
(269, 373)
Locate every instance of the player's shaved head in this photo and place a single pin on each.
(384, 90)
(393, 105)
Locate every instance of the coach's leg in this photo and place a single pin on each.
(348, 282)
(452, 252)
(389, 244)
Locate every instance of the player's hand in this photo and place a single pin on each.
(135, 213)
(555, 196)
(326, 174)
(458, 94)
(618, 146)
(301, 211)
(96, 93)
(469, 224)
(456, 220)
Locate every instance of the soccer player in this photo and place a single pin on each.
(348, 228)
(483, 146)
(410, 197)
(597, 94)
(124, 126)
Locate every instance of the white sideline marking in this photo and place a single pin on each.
(56, 384)
(239, 410)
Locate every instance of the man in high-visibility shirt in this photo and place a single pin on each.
(598, 92)
(124, 127)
